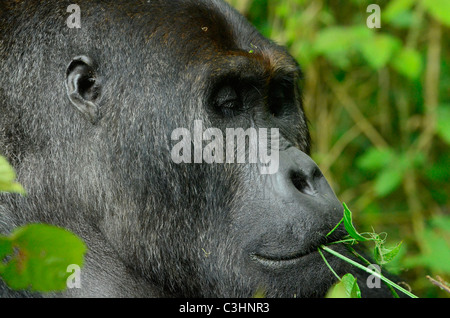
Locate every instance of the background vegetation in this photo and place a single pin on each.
(379, 105)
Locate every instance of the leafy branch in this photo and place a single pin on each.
(383, 255)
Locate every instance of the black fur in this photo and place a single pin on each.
(154, 228)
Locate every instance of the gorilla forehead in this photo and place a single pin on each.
(188, 45)
(211, 31)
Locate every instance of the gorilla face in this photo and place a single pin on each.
(95, 148)
(220, 229)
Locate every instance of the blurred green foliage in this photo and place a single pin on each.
(378, 101)
(35, 257)
(38, 256)
(7, 177)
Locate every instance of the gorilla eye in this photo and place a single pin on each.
(281, 97)
(227, 100)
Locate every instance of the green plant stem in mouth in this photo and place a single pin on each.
(329, 266)
(340, 222)
(342, 257)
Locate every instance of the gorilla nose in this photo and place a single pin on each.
(299, 174)
(307, 210)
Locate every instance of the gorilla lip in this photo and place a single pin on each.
(282, 260)
(290, 258)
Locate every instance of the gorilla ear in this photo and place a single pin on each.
(83, 87)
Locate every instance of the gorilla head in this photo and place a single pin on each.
(88, 116)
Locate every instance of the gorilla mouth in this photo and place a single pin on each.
(276, 261)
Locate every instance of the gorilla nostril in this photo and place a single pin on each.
(303, 183)
(316, 174)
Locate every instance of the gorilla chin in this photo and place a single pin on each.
(87, 121)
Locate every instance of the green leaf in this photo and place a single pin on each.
(441, 222)
(399, 13)
(439, 171)
(378, 50)
(260, 293)
(333, 39)
(375, 159)
(5, 247)
(439, 9)
(7, 177)
(443, 123)
(391, 177)
(385, 255)
(384, 279)
(388, 181)
(12, 187)
(41, 256)
(349, 225)
(346, 288)
(408, 62)
(435, 239)
(337, 43)
(391, 168)
(303, 50)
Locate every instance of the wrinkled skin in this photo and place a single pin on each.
(86, 120)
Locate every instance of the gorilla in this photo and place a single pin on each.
(87, 116)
